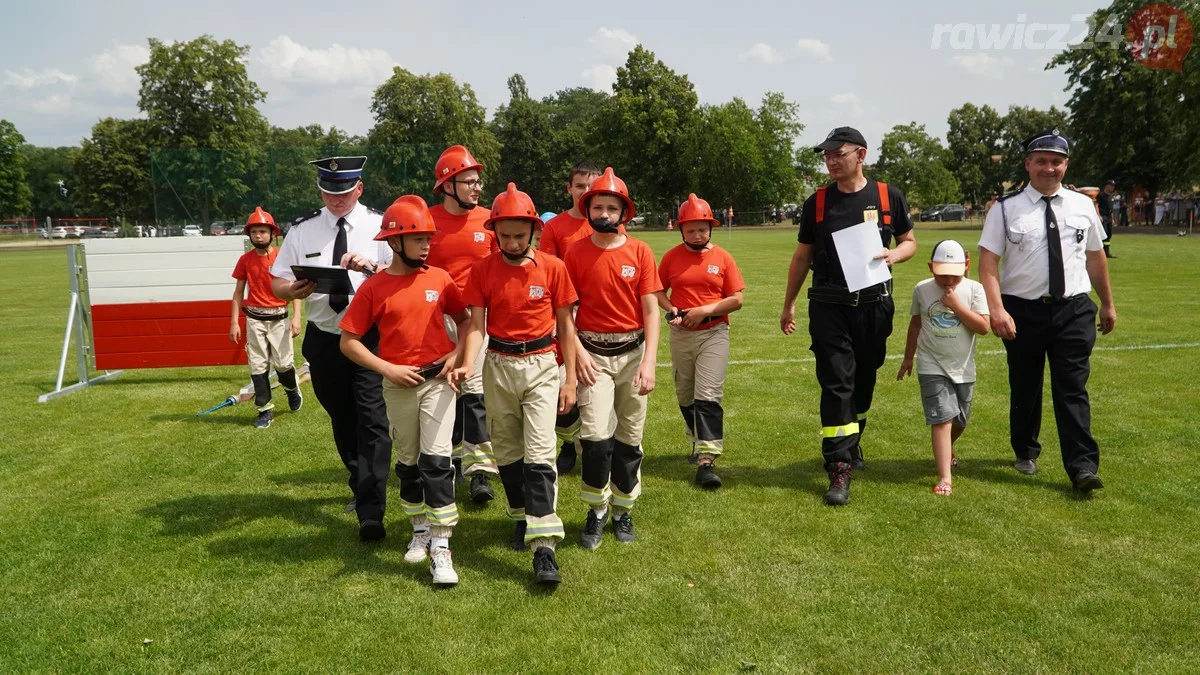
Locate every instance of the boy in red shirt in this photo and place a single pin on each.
(519, 296)
(706, 287)
(268, 340)
(617, 323)
(407, 301)
(460, 242)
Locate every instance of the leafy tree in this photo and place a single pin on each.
(915, 162)
(574, 117)
(112, 170)
(15, 195)
(198, 97)
(44, 169)
(728, 160)
(779, 127)
(975, 139)
(526, 138)
(284, 184)
(416, 118)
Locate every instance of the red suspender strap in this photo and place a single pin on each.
(820, 204)
(885, 206)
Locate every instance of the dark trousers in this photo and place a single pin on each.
(353, 397)
(1065, 332)
(850, 344)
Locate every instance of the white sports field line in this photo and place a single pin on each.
(992, 352)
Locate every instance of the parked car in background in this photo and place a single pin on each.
(92, 233)
(221, 228)
(63, 232)
(943, 212)
(192, 231)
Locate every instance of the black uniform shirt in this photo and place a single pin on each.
(842, 211)
(1104, 204)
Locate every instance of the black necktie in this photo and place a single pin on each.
(1058, 284)
(338, 301)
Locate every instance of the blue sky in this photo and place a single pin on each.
(870, 64)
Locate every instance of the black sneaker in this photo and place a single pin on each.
(838, 493)
(566, 458)
(856, 458)
(623, 528)
(295, 399)
(593, 530)
(706, 477)
(264, 419)
(481, 490)
(517, 543)
(371, 530)
(545, 567)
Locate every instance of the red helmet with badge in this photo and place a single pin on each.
(453, 161)
(609, 184)
(512, 204)
(261, 218)
(696, 210)
(407, 215)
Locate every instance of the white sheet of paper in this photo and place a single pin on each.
(856, 248)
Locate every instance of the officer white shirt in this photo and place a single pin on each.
(1021, 244)
(310, 242)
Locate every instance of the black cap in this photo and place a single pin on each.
(1110, 182)
(1050, 140)
(338, 175)
(839, 137)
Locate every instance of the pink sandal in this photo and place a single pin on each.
(943, 488)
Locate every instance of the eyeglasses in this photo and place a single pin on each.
(473, 184)
(834, 156)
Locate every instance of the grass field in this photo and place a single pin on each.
(136, 537)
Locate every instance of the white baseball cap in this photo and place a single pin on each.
(949, 258)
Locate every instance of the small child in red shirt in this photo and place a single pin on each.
(407, 301)
(706, 286)
(618, 329)
(268, 340)
(518, 296)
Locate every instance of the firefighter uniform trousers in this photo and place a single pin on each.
(521, 393)
(567, 425)
(470, 441)
(421, 420)
(269, 345)
(699, 359)
(850, 344)
(612, 415)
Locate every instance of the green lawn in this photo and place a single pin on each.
(125, 519)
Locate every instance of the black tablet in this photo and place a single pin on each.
(329, 280)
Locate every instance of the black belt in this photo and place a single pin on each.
(683, 312)
(519, 348)
(838, 296)
(430, 371)
(612, 348)
(259, 316)
(1045, 299)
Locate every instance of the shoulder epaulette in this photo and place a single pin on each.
(310, 216)
(1012, 194)
(375, 210)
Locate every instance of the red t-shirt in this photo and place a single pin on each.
(563, 230)
(699, 278)
(520, 299)
(460, 242)
(255, 270)
(408, 309)
(611, 284)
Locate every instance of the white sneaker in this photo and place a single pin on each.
(418, 547)
(442, 567)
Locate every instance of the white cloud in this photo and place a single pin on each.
(763, 53)
(600, 77)
(851, 100)
(42, 78)
(113, 69)
(814, 48)
(616, 42)
(289, 61)
(982, 64)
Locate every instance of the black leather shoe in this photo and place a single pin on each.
(545, 567)
(481, 490)
(706, 477)
(371, 530)
(1086, 481)
(1026, 466)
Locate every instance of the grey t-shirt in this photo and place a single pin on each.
(945, 346)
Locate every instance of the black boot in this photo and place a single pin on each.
(838, 493)
(567, 457)
(481, 489)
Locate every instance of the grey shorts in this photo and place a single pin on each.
(943, 400)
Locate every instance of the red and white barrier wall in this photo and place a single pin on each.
(162, 302)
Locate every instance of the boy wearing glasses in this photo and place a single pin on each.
(460, 242)
(849, 330)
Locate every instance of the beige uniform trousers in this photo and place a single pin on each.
(613, 409)
(421, 419)
(521, 394)
(269, 345)
(700, 359)
(472, 447)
